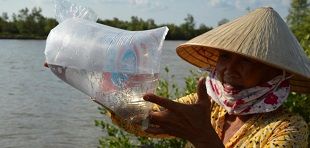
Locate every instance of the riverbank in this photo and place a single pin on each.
(22, 36)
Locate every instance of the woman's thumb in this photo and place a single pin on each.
(202, 91)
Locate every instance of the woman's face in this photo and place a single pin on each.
(237, 72)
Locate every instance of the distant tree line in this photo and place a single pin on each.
(31, 24)
(27, 24)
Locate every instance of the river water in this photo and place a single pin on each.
(39, 110)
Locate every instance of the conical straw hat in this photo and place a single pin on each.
(261, 35)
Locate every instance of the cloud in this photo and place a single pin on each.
(42, 2)
(148, 5)
(111, 1)
(221, 3)
(144, 4)
(139, 2)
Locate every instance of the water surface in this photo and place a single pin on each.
(39, 110)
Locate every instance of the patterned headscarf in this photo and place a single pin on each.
(265, 97)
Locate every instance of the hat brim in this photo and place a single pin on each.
(206, 57)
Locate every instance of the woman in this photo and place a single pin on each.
(229, 123)
(254, 63)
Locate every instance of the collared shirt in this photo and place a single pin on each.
(274, 129)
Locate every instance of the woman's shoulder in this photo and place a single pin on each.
(282, 127)
(282, 115)
(284, 122)
(279, 121)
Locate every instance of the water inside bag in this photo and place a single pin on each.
(119, 92)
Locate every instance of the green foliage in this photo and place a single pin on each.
(299, 18)
(167, 88)
(184, 31)
(299, 22)
(299, 103)
(191, 82)
(26, 24)
(115, 137)
(222, 21)
(161, 143)
(31, 24)
(305, 43)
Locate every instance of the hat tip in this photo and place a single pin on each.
(267, 7)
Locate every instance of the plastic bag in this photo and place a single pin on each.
(113, 66)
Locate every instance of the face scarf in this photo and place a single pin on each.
(258, 99)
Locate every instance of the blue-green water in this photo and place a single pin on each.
(39, 110)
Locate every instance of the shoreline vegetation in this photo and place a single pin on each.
(22, 37)
(31, 24)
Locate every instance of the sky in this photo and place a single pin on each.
(208, 12)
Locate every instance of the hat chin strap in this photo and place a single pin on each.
(285, 77)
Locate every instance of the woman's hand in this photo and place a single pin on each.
(187, 121)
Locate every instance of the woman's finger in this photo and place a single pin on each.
(166, 103)
(162, 130)
(159, 118)
(169, 130)
(45, 64)
(155, 130)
